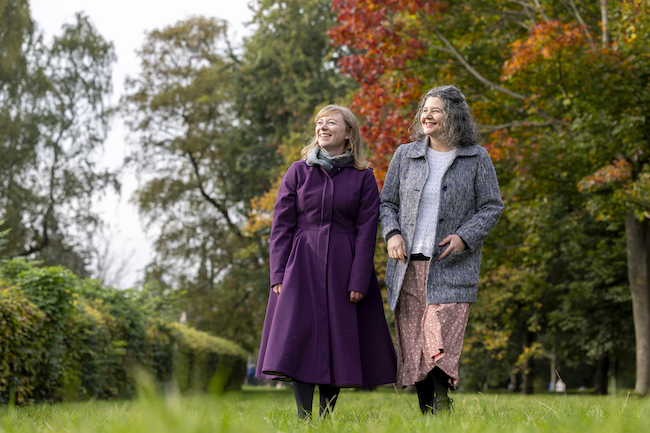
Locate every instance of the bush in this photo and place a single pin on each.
(22, 327)
(94, 363)
(51, 290)
(203, 362)
(127, 326)
(68, 339)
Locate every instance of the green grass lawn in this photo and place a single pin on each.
(271, 410)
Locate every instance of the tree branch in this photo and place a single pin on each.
(582, 24)
(516, 124)
(231, 52)
(220, 207)
(487, 82)
(45, 240)
(539, 9)
(604, 18)
(474, 72)
(439, 48)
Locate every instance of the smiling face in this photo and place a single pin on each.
(332, 132)
(432, 115)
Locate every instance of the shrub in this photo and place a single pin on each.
(51, 290)
(93, 367)
(62, 338)
(207, 363)
(22, 327)
(127, 326)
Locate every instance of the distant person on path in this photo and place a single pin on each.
(440, 200)
(325, 322)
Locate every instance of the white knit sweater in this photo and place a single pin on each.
(427, 222)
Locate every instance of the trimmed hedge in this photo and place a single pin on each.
(62, 338)
(22, 327)
(206, 363)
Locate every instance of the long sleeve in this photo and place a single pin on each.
(284, 226)
(389, 201)
(488, 205)
(366, 226)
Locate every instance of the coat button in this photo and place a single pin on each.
(444, 188)
(441, 220)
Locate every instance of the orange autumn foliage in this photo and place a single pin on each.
(547, 40)
(384, 37)
(619, 171)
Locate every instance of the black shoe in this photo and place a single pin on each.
(443, 404)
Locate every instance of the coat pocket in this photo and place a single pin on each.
(461, 269)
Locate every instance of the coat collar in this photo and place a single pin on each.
(419, 149)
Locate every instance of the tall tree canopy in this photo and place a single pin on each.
(561, 89)
(53, 121)
(209, 120)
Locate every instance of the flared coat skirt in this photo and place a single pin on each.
(319, 336)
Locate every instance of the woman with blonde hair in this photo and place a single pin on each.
(325, 323)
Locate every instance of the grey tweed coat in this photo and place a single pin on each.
(470, 206)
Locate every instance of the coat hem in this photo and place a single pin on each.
(284, 377)
(449, 299)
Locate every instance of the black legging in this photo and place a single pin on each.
(304, 393)
(435, 385)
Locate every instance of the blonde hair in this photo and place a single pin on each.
(353, 143)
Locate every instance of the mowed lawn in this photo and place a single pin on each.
(271, 410)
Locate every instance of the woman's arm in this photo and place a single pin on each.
(366, 238)
(389, 201)
(488, 204)
(283, 227)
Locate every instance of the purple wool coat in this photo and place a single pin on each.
(322, 246)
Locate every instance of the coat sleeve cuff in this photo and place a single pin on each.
(276, 278)
(392, 233)
(387, 227)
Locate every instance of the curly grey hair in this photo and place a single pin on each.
(458, 126)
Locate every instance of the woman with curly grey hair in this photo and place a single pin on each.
(439, 202)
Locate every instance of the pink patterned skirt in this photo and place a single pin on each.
(427, 336)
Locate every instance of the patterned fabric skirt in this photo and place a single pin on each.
(427, 336)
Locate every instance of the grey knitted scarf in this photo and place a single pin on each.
(318, 157)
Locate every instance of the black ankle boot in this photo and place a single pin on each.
(443, 404)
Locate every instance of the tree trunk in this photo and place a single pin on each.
(600, 385)
(604, 22)
(613, 375)
(637, 235)
(551, 385)
(527, 369)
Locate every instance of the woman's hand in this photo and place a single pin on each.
(456, 245)
(356, 296)
(276, 288)
(397, 248)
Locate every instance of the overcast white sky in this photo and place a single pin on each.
(125, 22)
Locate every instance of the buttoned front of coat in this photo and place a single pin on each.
(470, 206)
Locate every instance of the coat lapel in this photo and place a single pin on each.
(419, 149)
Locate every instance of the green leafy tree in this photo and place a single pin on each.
(213, 125)
(54, 117)
(201, 170)
(560, 89)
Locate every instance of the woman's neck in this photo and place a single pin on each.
(331, 152)
(438, 145)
